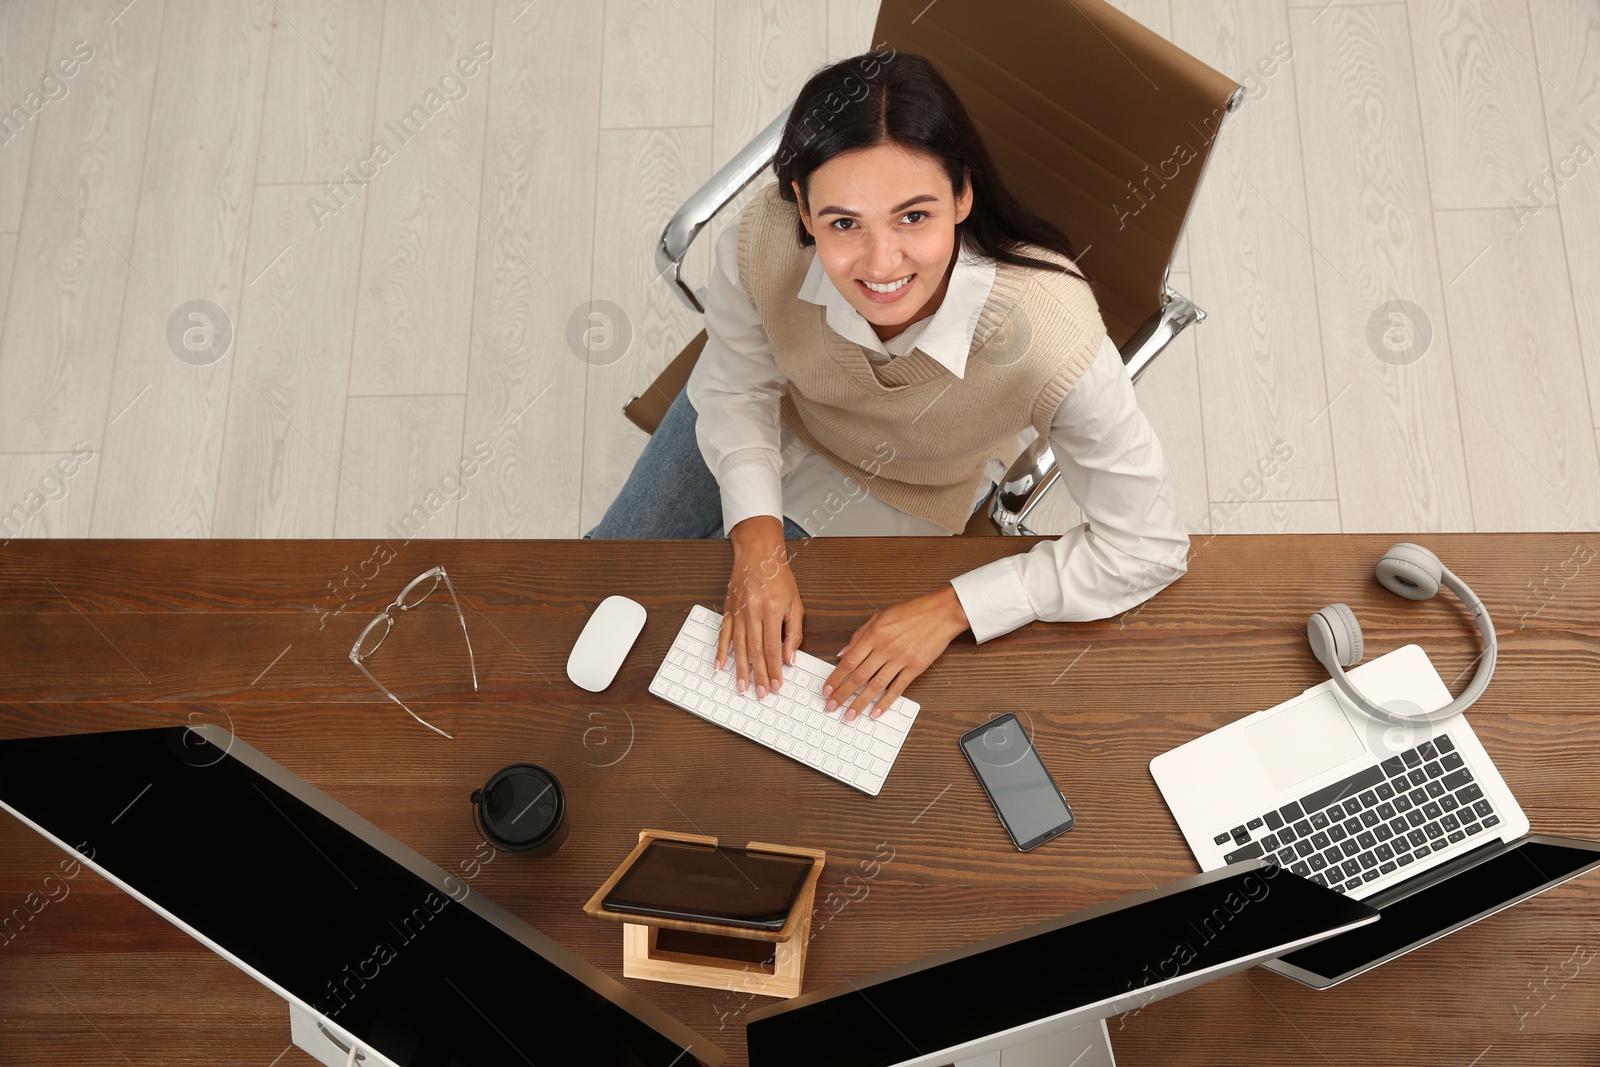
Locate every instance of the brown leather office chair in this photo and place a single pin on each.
(1095, 123)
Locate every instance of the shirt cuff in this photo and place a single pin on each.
(994, 598)
(750, 486)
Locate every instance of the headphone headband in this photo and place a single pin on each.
(1411, 571)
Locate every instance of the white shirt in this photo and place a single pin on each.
(1132, 546)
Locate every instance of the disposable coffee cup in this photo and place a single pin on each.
(522, 809)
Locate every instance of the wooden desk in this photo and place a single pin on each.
(102, 635)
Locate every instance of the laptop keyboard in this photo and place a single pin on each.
(1364, 831)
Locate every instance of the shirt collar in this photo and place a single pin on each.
(945, 336)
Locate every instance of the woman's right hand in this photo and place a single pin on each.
(762, 598)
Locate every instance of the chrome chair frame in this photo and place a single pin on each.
(1034, 470)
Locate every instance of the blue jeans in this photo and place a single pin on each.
(671, 493)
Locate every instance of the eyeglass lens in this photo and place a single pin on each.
(374, 634)
(418, 591)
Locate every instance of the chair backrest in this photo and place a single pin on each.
(1095, 122)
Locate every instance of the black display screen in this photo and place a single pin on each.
(713, 884)
(416, 976)
(1047, 970)
(1533, 866)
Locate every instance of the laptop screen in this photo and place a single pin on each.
(1525, 869)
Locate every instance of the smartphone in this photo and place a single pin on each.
(1008, 767)
(710, 884)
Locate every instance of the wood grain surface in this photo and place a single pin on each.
(101, 635)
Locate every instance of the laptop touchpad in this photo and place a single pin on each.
(1304, 740)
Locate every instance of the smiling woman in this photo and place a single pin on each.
(888, 317)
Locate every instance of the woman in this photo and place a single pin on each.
(880, 323)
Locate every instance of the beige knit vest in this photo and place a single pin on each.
(916, 436)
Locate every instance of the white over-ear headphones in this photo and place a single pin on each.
(1413, 572)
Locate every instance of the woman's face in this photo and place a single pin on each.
(885, 216)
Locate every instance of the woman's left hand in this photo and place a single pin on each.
(891, 649)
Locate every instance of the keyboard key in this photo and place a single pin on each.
(1449, 803)
(1369, 876)
(1333, 856)
(1270, 843)
(1491, 820)
(1474, 827)
(1482, 808)
(1432, 810)
(1418, 796)
(1303, 827)
(1240, 835)
(1352, 806)
(1317, 878)
(1352, 826)
(1457, 779)
(1444, 744)
(1351, 868)
(1290, 812)
(1368, 860)
(1369, 819)
(1433, 769)
(1418, 776)
(1401, 843)
(1319, 821)
(1368, 799)
(1410, 757)
(1273, 819)
(1385, 811)
(1469, 794)
(1384, 852)
(1365, 839)
(1339, 790)
(1402, 803)
(1287, 835)
(1435, 789)
(1350, 848)
(1427, 751)
(1303, 848)
(1320, 841)
(1421, 851)
(1317, 861)
(1451, 762)
(1383, 832)
(1354, 883)
(1285, 855)
(1386, 868)
(1415, 817)
(1393, 766)
(1301, 869)
(1337, 833)
(1253, 824)
(1407, 858)
(1457, 835)
(1400, 784)
(1434, 830)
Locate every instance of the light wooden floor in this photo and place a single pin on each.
(419, 321)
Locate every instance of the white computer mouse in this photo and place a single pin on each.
(604, 643)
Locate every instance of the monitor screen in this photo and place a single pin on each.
(1527, 868)
(315, 909)
(1117, 955)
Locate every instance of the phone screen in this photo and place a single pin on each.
(1011, 772)
(705, 883)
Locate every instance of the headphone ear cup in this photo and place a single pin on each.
(1411, 571)
(1335, 634)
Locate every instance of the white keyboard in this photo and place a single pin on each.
(792, 720)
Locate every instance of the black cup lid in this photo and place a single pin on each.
(521, 805)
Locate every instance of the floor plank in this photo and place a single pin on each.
(279, 475)
(25, 61)
(1477, 88)
(1527, 432)
(1254, 265)
(162, 456)
(322, 85)
(403, 454)
(74, 245)
(1567, 47)
(414, 312)
(1393, 417)
(535, 251)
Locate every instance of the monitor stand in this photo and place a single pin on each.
(1088, 1045)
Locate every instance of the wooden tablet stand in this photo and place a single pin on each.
(641, 958)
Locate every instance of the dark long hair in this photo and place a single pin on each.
(899, 98)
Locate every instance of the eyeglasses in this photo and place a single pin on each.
(412, 595)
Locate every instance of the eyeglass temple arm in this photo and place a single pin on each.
(471, 659)
(354, 658)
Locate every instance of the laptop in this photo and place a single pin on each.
(1416, 818)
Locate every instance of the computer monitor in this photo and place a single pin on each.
(1040, 995)
(325, 909)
